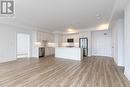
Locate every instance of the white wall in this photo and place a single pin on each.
(118, 41)
(8, 37)
(127, 40)
(7, 44)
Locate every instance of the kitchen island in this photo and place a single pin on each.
(72, 53)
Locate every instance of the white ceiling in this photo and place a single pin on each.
(58, 15)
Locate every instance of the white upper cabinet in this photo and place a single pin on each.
(64, 39)
(71, 36)
(38, 36)
(76, 38)
(50, 38)
(45, 36)
(83, 34)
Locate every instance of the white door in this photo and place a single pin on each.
(23, 45)
(101, 43)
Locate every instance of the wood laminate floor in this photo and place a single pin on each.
(51, 72)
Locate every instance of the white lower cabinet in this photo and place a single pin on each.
(49, 51)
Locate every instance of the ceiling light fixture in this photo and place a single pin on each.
(70, 30)
(103, 27)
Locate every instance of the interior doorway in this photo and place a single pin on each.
(23, 45)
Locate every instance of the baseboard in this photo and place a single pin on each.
(89, 55)
(121, 68)
(127, 75)
(50, 56)
(68, 58)
(7, 60)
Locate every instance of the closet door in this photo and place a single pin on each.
(101, 44)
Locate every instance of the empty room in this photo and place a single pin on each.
(64, 43)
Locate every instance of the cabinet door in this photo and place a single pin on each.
(49, 51)
(38, 36)
(42, 36)
(46, 52)
(49, 38)
(45, 36)
(64, 39)
(77, 38)
(52, 38)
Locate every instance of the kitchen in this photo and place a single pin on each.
(60, 44)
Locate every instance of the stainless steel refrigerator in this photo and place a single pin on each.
(83, 43)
